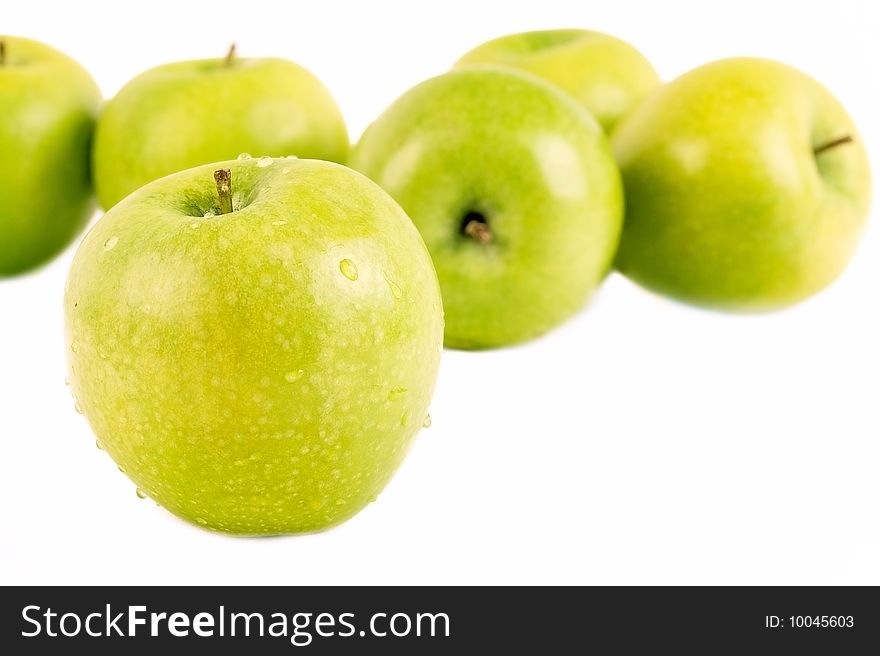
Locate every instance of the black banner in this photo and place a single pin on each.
(418, 620)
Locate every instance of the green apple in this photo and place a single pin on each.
(257, 359)
(747, 186)
(515, 191)
(606, 75)
(184, 114)
(48, 105)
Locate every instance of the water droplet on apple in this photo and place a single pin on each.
(201, 521)
(194, 225)
(280, 222)
(263, 162)
(99, 445)
(110, 244)
(244, 156)
(395, 289)
(404, 419)
(208, 214)
(120, 468)
(78, 408)
(348, 269)
(140, 493)
(293, 376)
(372, 498)
(396, 393)
(73, 347)
(427, 422)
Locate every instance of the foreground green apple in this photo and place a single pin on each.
(48, 105)
(257, 362)
(514, 190)
(180, 115)
(606, 75)
(747, 186)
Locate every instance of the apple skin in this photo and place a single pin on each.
(184, 114)
(515, 149)
(259, 372)
(603, 73)
(48, 106)
(727, 204)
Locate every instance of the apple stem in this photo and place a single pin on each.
(223, 178)
(834, 143)
(478, 230)
(230, 56)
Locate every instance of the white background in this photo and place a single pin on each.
(643, 442)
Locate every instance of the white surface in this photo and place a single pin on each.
(643, 442)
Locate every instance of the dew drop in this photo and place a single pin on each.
(208, 214)
(348, 269)
(140, 493)
(121, 468)
(293, 376)
(427, 422)
(99, 445)
(395, 289)
(244, 156)
(73, 347)
(404, 419)
(396, 393)
(263, 162)
(372, 498)
(201, 521)
(110, 244)
(78, 408)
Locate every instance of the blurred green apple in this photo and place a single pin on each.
(514, 189)
(48, 105)
(257, 361)
(606, 75)
(747, 186)
(180, 115)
